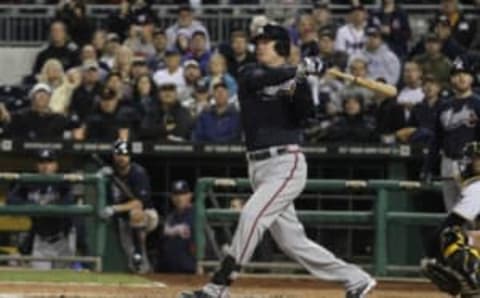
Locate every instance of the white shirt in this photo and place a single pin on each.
(163, 76)
(350, 40)
(410, 95)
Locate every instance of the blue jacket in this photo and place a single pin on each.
(215, 128)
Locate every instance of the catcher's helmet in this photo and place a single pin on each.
(278, 34)
(470, 152)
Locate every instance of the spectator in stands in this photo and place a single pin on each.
(192, 75)
(99, 42)
(166, 118)
(140, 37)
(188, 24)
(111, 48)
(463, 30)
(421, 125)
(51, 234)
(144, 91)
(173, 71)
(220, 123)
(36, 122)
(450, 47)
(139, 68)
(123, 89)
(179, 245)
(182, 42)
(327, 51)
(122, 63)
(237, 52)
(388, 116)
(307, 36)
(217, 72)
(394, 25)
(412, 91)
(84, 97)
(295, 55)
(198, 50)
(109, 120)
(74, 14)
(59, 48)
(350, 37)
(382, 62)
(200, 99)
(130, 12)
(160, 44)
(359, 68)
(61, 84)
(433, 61)
(322, 16)
(354, 125)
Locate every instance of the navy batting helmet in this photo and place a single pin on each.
(120, 147)
(278, 34)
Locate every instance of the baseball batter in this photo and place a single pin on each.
(275, 100)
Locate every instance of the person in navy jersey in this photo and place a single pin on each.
(220, 123)
(179, 245)
(457, 123)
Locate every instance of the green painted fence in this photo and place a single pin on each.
(381, 217)
(98, 180)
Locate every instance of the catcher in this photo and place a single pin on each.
(453, 262)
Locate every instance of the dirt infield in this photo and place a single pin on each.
(169, 286)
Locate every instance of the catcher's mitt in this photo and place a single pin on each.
(445, 278)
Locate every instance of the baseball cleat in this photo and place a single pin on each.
(363, 290)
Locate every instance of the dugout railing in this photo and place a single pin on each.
(381, 217)
(97, 180)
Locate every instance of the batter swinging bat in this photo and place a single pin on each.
(115, 179)
(376, 86)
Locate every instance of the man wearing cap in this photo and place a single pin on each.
(199, 100)
(136, 216)
(450, 47)
(351, 36)
(111, 47)
(37, 121)
(109, 120)
(394, 26)
(199, 50)
(192, 74)
(327, 51)
(275, 101)
(140, 39)
(178, 247)
(457, 124)
(139, 68)
(84, 97)
(187, 23)
(433, 61)
(52, 236)
(382, 62)
(166, 119)
(157, 61)
(173, 72)
(463, 30)
(220, 123)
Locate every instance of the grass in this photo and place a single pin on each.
(69, 276)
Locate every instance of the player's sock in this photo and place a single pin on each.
(227, 272)
(137, 239)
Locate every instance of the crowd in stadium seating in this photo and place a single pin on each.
(131, 79)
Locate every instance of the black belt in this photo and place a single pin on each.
(266, 153)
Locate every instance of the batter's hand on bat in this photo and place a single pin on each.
(310, 66)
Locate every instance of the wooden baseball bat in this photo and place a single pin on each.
(376, 86)
(124, 188)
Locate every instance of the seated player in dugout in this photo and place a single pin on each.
(453, 260)
(136, 215)
(52, 236)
